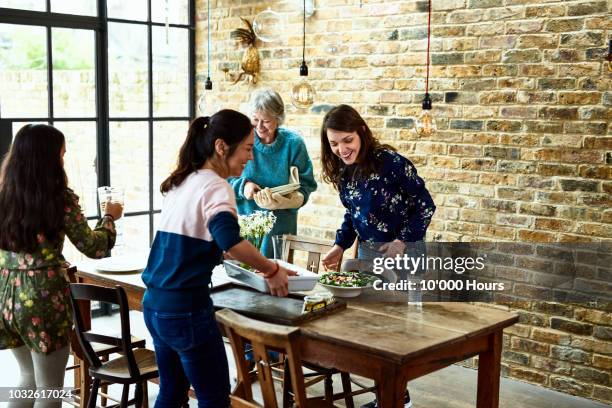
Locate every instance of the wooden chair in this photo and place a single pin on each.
(264, 337)
(134, 366)
(103, 351)
(315, 249)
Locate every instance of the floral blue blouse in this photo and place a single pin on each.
(393, 204)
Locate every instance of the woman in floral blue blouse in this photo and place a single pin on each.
(387, 204)
(38, 212)
(385, 200)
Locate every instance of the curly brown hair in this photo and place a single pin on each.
(345, 118)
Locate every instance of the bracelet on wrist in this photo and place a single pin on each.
(273, 273)
(111, 217)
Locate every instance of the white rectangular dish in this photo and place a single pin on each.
(286, 188)
(305, 280)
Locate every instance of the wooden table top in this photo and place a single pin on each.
(396, 331)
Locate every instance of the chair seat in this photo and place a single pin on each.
(104, 349)
(116, 370)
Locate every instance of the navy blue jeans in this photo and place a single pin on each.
(189, 350)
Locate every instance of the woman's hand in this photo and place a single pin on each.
(114, 209)
(331, 260)
(393, 248)
(279, 283)
(250, 189)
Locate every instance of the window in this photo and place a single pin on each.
(116, 77)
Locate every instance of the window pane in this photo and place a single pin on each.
(170, 72)
(167, 140)
(74, 75)
(135, 234)
(80, 7)
(129, 162)
(128, 78)
(129, 10)
(23, 71)
(176, 11)
(80, 162)
(37, 5)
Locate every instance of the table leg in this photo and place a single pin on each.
(391, 391)
(489, 371)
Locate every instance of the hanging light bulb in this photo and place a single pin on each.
(206, 105)
(303, 94)
(425, 125)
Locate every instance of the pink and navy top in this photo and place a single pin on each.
(198, 222)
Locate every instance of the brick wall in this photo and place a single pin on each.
(523, 153)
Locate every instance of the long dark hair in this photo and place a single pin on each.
(33, 187)
(344, 118)
(228, 125)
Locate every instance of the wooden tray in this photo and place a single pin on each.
(265, 307)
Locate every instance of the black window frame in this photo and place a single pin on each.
(99, 25)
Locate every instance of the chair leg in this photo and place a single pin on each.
(138, 395)
(93, 395)
(329, 388)
(145, 395)
(346, 389)
(287, 397)
(103, 386)
(124, 396)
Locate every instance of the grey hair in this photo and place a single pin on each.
(268, 101)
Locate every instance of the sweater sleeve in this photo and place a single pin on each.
(302, 161)
(225, 230)
(237, 184)
(345, 236)
(414, 227)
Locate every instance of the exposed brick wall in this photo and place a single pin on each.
(523, 152)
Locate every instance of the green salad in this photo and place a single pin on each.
(347, 279)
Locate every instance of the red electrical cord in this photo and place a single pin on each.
(428, 36)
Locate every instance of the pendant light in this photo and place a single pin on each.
(205, 103)
(303, 94)
(425, 124)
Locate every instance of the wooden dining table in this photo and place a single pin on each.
(388, 342)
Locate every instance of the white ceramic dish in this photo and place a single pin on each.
(286, 188)
(120, 264)
(304, 281)
(345, 292)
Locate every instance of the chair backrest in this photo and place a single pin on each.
(80, 292)
(263, 337)
(314, 247)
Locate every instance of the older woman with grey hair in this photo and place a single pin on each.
(276, 151)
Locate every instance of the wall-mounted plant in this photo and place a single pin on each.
(249, 65)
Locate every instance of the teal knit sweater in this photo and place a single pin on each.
(270, 168)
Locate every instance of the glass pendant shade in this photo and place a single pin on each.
(268, 26)
(208, 104)
(303, 94)
(425, 124)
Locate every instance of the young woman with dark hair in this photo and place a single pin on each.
(199, 222)
(387, 204)
(37, 211)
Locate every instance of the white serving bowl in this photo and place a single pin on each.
(344, 292)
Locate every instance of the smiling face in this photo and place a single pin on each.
(243, 153)
(345, 145)
(265, 125)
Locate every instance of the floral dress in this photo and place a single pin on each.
(388, 205)
(34, 288)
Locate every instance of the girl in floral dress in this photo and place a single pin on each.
(38, 211)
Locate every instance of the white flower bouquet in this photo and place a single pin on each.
(254, 226)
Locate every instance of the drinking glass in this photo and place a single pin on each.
(112, 194)
(278, 242)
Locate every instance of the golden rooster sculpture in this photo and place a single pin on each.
(249, 65)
